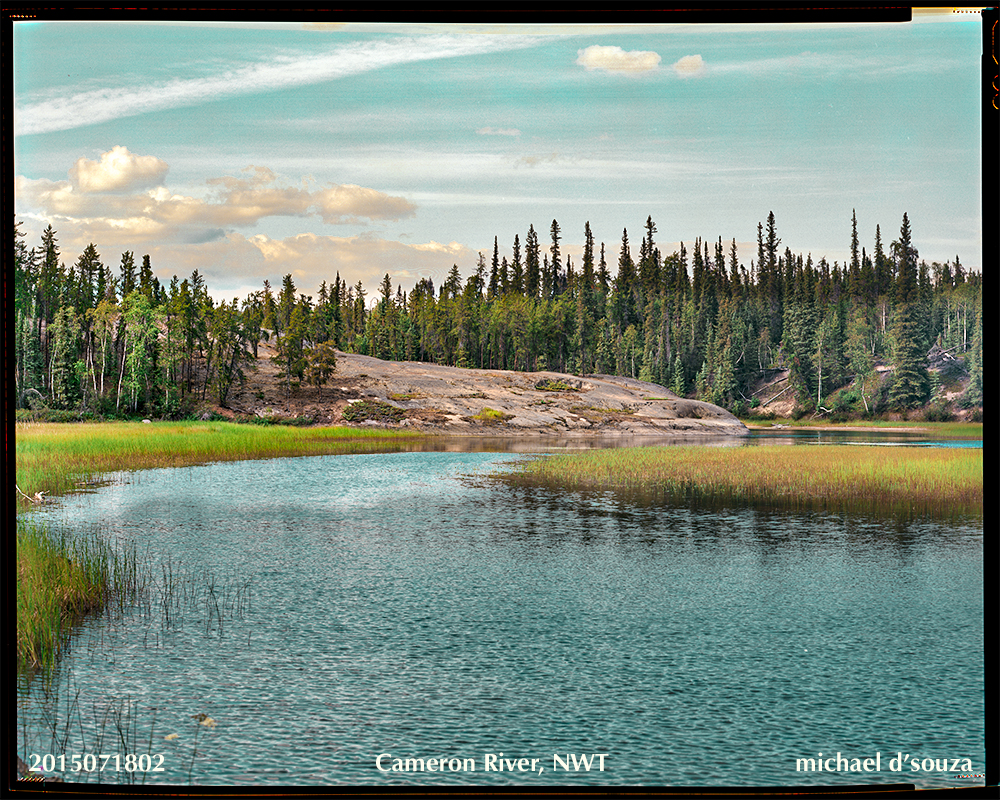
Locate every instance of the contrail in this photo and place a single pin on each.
(101, 105)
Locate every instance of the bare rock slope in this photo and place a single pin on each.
(452, 400)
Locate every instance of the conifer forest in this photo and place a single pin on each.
(112, 339)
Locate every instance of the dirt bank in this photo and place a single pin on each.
(439, 399)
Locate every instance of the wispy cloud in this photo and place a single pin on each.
(498, 132)
(77, 109)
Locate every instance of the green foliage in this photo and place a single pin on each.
(490, 416)
(551, 385)
(705, 328)
(374, 410)
(939, 411)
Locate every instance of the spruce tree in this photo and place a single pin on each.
(910, 382)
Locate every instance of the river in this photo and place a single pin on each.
(397, 619)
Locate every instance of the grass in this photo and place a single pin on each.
(550, 385)
(877, 480)
(944, 430)
(490, 416)
(55, 458)
(59, 581)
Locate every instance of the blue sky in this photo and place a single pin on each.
(248, 151)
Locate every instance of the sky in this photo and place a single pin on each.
(249, 151)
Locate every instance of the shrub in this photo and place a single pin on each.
(939, 411)
(375, 410)
(490, 416)
(549, 385)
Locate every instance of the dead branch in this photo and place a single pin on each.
(777, 395)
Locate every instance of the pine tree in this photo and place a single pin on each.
(64, 334)
(910, 382)
(517, 269)
(973, 395)
(532, 264)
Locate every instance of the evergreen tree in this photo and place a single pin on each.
(910, 381)
(517, 269)
(532, 264)
(64, 335)
(321, 364)
(973, 395)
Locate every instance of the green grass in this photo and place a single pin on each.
(944, 430)
(550, 385)
(59, 581)
(877, 480)
(54, 458)
(491, 416)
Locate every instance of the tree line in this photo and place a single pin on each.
(698, 322)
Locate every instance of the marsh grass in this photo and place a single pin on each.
(55, 458)
(59, 581)
(67, 725)
(215, 600)
(942, 430)
(895, 481)
(159, 601)
(61, 578)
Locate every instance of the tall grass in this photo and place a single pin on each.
(58, 581)
(942, 430)
(878, 480)
(55, 457)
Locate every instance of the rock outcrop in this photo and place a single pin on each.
(478, 401)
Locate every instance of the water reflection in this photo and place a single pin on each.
(400, 607)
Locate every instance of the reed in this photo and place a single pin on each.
(58, 581)
(941, 430)
(877, 480)
(64, 725)
(55, 457)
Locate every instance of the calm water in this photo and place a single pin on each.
(400, 607)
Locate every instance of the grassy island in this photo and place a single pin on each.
(879, 480)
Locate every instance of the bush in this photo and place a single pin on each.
(54, 415)
(375, 410)
(939, 411)
(805, 408)
(549, 385)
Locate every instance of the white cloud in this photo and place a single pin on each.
(689, 66)
(614, 59)
(75, 110)
(498, 132)
(236, 201)
(311, 258)
(348, 203)
(118, 170)
(452, 249)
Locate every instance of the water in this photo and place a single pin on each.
(401, 608)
